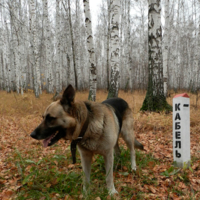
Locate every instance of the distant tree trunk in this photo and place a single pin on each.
(129, 47)
(57, 84)
(37, 82)
(73, 49)
(196, 50)
(108, 44)
(90, 47)
(166, 48)
(8, 66)
(14, 44)
(155, 99)
(48, 46)
(22, 75)
(114, 49)
(177, 52)
(78, 43)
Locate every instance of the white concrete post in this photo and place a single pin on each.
(181, 130)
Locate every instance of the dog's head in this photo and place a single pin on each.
(58, 119)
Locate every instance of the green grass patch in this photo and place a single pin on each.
(49, 176)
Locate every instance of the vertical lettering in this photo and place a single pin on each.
(178, 144)
(177, 116)
(178, 135)
(177, 125)
(177, 107)
(178, 155)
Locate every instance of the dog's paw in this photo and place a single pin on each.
(112, 192)
(134, 168)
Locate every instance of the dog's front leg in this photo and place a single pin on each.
(86, 160)
(109, 159)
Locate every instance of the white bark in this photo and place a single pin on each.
(129, 46)
(78, 42)
(47, 33)
(108, 46)
(57, 84)
(37, 82)
(177, 55)
(155, 47)
(14, 44)
(7, 65)
(72, 44)
(90, 47)
(114, 48)
(166, 48)
(196, 50)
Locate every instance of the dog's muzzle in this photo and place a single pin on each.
(34, 135)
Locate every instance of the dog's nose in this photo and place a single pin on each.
(33, 135)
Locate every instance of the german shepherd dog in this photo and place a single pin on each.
(94, 127)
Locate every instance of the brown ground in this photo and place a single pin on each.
(19, 115)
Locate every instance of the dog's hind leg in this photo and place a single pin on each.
(86, 160)
(109, 159)
(128, 136)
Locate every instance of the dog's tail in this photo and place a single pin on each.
(138, 145)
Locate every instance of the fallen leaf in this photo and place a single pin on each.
(152, 189)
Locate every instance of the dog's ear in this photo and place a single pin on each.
(68, 96)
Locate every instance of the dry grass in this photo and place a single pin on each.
(19, 115)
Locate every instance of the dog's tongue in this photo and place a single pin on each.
(46, 141)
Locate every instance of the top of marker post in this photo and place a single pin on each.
(182, 95)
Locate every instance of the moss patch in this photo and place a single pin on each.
(155, 103)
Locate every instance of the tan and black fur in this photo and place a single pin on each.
(101, 122)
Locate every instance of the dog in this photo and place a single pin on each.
(93, 127)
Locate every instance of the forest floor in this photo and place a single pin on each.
(28, 171)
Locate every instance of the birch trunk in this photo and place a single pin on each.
(166, 48)
(177, 54)
(108, 46)
(114, 49)
(20, 33)
(48, 46)
(78, 43)
(57, 47)
(129, 46)
(8, 60)
(72, 42)
(196, 50)
(37, 82)
(2, 50)
(90, 47)
(14, 44)
(155, 99)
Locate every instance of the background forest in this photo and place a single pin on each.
(36, 39)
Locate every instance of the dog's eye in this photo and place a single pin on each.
(50, 118)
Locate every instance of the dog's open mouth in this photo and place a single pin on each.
(49, 141)
(53, 138)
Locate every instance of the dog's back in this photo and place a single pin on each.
(119, 106)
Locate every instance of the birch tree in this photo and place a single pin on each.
(57, 84)
(114, 49)
(108, 46)
(129, 46)
(155, 99)
(196, 51)
(14, 44)
(72, 43)
(37, 82)
(165, 50)
(48, 46)
(90, 47)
